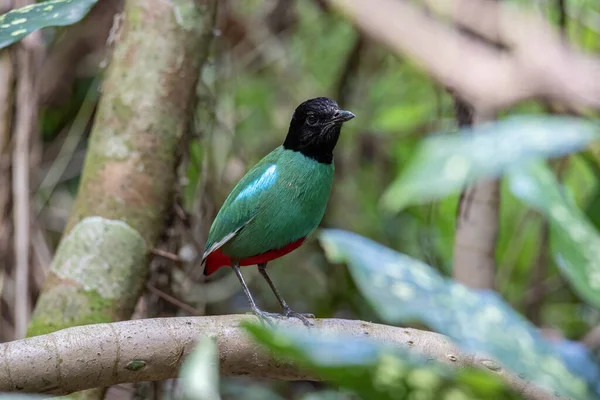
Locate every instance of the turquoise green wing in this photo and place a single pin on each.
(280, 200)
(231, 218)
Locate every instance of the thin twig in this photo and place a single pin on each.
(76, 131)
(25, 127)
(592, 338)
(7, 94)
(21, 205)
(167, 255)
(350, 70)
(550, 284)
(167, 297)
(562, 16)
(535, 300)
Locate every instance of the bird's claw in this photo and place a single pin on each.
(287, 313)
(266, 317)
(302, 317)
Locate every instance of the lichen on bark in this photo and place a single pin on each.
(95, 275)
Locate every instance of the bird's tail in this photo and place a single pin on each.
(214, 260)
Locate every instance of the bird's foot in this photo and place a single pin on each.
(266, 317)
(289, 313)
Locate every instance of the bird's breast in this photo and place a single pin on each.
(291, 208)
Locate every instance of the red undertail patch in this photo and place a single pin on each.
(218, 259)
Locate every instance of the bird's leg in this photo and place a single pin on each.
(262, 268)
(287, 311)
(264, 316)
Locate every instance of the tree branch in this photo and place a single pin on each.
(532, 61)
(153, 349)
(477, 224)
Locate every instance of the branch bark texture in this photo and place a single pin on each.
(153, 349)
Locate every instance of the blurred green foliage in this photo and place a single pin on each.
(200, 372)
(376, 371)
(446, 164)
(575, 243)
(404, 290)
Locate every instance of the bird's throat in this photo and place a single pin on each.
(319, 149)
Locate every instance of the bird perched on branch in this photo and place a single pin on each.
(280, 201)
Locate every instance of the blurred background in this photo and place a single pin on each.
(266, 58)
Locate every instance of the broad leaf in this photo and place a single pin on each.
(403, 289)
(374, 370)
(200, 372)
(580, 360)
(18, 23)
(446, 163)
(574, 242)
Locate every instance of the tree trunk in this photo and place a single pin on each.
(129, 175)
(477, 224)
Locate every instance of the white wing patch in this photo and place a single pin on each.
(226, 239)
(266, 180)
(220, 243)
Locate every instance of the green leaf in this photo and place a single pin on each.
(16, 24)
(373, 369)
(592, 209)
(402, 289)
(200, 372)
(444, 164)
(574, 242)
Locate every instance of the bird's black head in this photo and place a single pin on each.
(315, 128)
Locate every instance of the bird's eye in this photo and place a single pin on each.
(312, 120)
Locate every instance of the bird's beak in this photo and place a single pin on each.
(343, 116)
